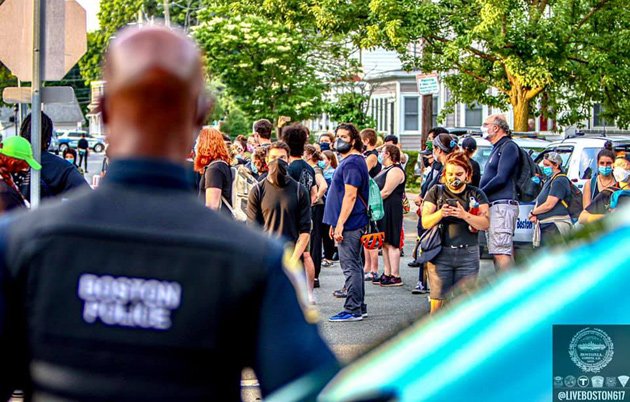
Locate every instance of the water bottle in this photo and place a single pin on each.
(473, 208)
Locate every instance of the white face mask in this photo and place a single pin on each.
(621, 175)
(485, 133)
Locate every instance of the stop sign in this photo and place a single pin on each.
(63, 37)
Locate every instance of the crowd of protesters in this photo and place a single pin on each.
(313, 193)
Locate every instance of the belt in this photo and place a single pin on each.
(504, 202)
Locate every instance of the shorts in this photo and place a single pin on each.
(500, 234)
(450, 268)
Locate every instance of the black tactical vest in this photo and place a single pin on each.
(132, 294)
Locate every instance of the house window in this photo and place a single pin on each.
(598, 121)
(473, 116)
(434, 112)
(412, 122)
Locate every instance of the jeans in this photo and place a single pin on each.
(452, 266)
(350, 261)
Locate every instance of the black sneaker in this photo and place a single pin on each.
(391, 281)
(378, 279)
(316, 283)
(414, 264)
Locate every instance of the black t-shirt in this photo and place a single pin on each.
(9, 197)
(303, 173)
(83, 144)
(601, 203)
(217, 175)
(559, 187)
(281, 211)
(377, 168)
(454, 230)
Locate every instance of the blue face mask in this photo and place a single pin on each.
(321, 165)
(547, 171)
(254, 168)
(605, 171)
(380, 159)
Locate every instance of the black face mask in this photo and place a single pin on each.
(342, 146)
(278, 172)
(324, 146)
(426, 163)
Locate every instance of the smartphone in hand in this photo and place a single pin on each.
(451, 202)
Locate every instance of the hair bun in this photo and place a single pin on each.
(608, 145)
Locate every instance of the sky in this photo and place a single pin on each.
(91, 8)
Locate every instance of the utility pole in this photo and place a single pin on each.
(36, 105)
(167, 13)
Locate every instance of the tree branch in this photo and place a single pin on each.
(477, 52)
(532, 93)
(595, 9)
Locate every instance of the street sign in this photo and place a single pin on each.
(428, 84)
(49, 95)
(63, 33)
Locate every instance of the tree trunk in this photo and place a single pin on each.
(520, 105)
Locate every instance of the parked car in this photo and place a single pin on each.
(71, 139)
(579, 154)
(54, 144)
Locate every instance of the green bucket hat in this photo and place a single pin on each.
(19, 148)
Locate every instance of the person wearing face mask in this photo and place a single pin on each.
(16, 156)
(391, 181)
(551, 214)
(280, 205)
(374, 165)
(611, 198)
(448, 205)
(346, 213)
(325, 141)
(328, 165)
(469, 145)
(313, 157)
(433, 175)
(70, 155)
(603, 178)
(497, 182)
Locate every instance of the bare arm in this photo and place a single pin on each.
(479, 222)
(587, 217)
(546, 206)
(431, 216)
(213, 198)
(300, 246)
(371, 161)
(586, 194)
(393, 179)
(322, 186)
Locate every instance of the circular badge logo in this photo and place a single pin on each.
(557, 381)
(591, 349)
(583, 381)
(570, 381)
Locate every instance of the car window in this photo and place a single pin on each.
(482, 155)
(588, 162)
(565, 154)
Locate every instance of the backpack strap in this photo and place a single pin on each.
(593, 186)
(564, 203)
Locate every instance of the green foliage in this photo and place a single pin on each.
(115, 14)
(6, 80)
(235, 123)
(412, 182)
(268, 68)
(574, 51)
(351, 107)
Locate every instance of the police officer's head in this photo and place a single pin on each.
(154, 99)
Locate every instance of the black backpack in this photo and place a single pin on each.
(526, 189)
(574, 204)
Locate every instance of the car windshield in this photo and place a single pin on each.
(482, 155)
(565, 154)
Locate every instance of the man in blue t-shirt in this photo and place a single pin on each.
(346, 213)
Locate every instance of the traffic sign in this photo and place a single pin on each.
(428, 84)
(63, 32)
(49, 95)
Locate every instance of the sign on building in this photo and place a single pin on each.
(428, 84)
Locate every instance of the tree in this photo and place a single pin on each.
(115, 14)
(574, 51)
(351, 107)
(270, 69)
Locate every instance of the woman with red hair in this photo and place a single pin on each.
(449, 205)
(212, 161)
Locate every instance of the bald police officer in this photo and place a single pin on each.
(136, 292)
